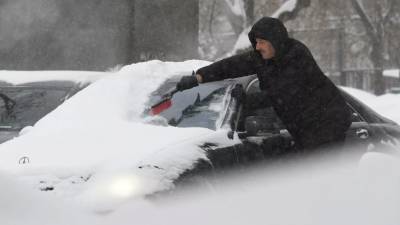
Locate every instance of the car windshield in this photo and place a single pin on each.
(198, 107)
(22, 106)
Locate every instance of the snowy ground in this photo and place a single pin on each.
(107, 136)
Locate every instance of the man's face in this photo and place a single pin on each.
(265, 48)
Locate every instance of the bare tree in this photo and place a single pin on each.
(376, 31)
(240, 15)
(287, 11)
(286, 15)
(236, 15)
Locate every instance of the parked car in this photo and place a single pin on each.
(26, 97)
(237, 134)
(263, 137)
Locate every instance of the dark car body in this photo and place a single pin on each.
(262, 135)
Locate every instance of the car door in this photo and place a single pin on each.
(268, 141)
(273, 139)
(263, 128)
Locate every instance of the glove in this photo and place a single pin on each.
(187, 82)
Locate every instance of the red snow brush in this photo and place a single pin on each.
(163, 104)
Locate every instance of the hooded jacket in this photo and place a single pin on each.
(306, 101)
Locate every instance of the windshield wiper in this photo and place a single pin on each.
(8, 102)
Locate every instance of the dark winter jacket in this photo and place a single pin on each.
(306, 101)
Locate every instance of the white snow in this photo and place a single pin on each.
(100, 134)
(391, 73)
(242, 42)
(386, 105)
(100, 131)
(288, 6)
(236, 6)
(304, 195)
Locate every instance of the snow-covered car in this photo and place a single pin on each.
(102, 142)
(25, 97)
(263, 137)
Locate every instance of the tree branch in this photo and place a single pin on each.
(390, 11)
(285, 15)
(210, 22)
(364, 18)
(236, 15)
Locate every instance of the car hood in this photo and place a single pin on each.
(101, 129)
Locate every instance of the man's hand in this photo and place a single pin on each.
(187, 82)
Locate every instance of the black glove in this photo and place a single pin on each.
(187, 82)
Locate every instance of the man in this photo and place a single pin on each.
(307, 102)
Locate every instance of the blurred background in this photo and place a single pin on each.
(355, 42)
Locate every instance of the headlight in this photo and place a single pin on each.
(124, 186)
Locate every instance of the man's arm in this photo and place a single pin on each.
(235, 66)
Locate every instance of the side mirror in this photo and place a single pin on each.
(238, 93)
(256, 125)
(355, 117)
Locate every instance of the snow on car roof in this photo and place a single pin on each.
(385, 105)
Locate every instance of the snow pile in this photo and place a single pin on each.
(292, 194)
(311, 193)
(19, 205)
(99, 134)
(392, 73)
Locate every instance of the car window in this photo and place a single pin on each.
(257, 106)
(201, 106)
(203, 112)
(355, 116)
(29, 104)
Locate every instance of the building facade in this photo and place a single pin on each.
(95, 34)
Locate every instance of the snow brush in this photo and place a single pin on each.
(163, 104)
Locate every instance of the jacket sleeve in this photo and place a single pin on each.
(235, 66)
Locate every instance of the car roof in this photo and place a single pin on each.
(51, 78)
